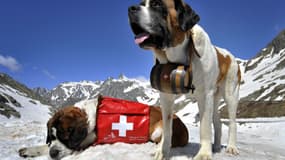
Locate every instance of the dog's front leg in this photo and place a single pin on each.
(206, 104)
(166, 103)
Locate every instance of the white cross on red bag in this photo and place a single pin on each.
(123, 126)
(122, 121)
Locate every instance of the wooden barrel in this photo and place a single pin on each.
(171, 78)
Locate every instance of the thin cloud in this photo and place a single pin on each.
(10, 63)
(48, 74)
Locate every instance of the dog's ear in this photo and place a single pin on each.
(100, 98)
(78, 136)
(186, 16)
(51, 123)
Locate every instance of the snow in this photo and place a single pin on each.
(16, 134)
(130, 88)
(69, 88)
(266, 73)
(84, 83)
(142, 82)
(254, 61)
(29, 130)
(261, 138)
(149, 93)
(29, 111)
(279, 98)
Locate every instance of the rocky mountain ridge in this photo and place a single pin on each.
(16, 97)
(264, 75)
(70, 92)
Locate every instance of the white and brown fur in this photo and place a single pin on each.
(82, 118)
(216, 73)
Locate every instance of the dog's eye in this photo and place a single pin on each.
(155, 3)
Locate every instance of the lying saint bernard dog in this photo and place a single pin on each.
(169, 28)
(77, 127)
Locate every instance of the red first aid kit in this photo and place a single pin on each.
(122, 121)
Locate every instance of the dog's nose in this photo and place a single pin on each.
(133, 9)
(53, 152)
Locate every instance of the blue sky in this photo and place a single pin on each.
(46, 42)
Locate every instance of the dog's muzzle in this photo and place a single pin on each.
(54, 152)
(149, 27)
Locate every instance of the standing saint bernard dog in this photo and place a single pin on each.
(169, 29)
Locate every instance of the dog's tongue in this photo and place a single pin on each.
(141, 38)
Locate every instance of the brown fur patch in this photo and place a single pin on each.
(224, 65)
(179, 130)
(155, 116)
(239, 75)
(179, 133)
(178, 35)
(73, 117)
(68, 117)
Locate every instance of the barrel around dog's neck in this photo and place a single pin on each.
(175, 76)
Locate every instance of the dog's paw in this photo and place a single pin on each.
(158, 155)
(23, 152)
(29, 152)
(203, 156)
(161, 155)
(232, 150)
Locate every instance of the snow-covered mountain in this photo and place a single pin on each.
(262, 93)
(264, 75)
(68, 92)
(123, 87)
(16, 99)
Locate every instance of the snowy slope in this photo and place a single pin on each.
(264, 75)
(261, 139)
(27, 130)
(266, 78)
(29, 108)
